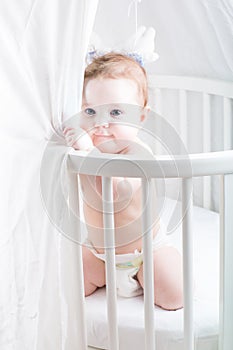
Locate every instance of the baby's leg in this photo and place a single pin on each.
(168, 280)
(94, 271)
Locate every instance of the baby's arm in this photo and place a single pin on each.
(124, 188)
(77, 138)
(128, 186)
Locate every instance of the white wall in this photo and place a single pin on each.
(194, 37)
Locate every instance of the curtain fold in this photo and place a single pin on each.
(43, 45)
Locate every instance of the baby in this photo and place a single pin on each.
(115, 97)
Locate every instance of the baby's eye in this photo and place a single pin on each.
(90, 111)
(116, 113)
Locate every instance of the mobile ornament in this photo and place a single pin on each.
(140, 46)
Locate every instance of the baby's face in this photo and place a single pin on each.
(112, 113)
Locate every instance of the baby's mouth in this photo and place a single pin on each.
(101, 138)
(100, 134)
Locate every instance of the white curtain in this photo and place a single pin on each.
(42, 50)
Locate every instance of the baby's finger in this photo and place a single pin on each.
(70, 134)
(66, 130)
(70, 141)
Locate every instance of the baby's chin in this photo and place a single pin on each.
(112, 146)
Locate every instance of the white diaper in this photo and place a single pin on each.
(128, 265)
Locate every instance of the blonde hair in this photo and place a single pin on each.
(114, 65)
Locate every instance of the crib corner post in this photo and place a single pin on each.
(71, 266)
(226, 263)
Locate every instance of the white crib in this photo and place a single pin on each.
(202, 164)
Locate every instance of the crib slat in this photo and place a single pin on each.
(159, 110)
(82, 339)
(206, 148)
(77, 282)
(148, 266)
(110, 266)
(183, 116)
(187, 263)
(226, 263)
(227, 129)
(158, 101)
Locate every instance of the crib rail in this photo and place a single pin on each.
(208, 90)
(209, 86)
(201, 164)
(186, 168)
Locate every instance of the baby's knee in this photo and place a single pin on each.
(89, 288)
(93, 270)
(172, 300)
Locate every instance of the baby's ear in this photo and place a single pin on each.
(145, 112)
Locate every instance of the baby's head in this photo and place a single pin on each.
(114, 100)
(118, 66)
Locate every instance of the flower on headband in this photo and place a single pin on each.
(92, 54)
(139, 46)
(137, 57)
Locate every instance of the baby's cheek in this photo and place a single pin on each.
(127, 133)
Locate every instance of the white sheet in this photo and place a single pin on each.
(169, 324)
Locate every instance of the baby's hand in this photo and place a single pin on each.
(77, 138)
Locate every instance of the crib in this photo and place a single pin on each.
(104, 318)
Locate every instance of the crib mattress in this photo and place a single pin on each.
(169, 324)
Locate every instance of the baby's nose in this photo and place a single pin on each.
(101, 122)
